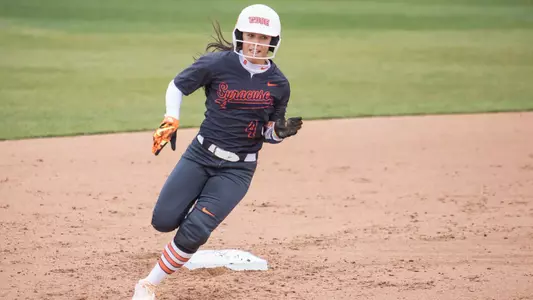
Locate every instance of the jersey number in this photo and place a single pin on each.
(252, 129)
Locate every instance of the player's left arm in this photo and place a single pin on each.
(279, 128)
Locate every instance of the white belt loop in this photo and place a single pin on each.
(250, 157)
(200, 139)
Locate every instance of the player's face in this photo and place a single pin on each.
(256, 45)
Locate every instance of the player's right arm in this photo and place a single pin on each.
(185, 83)
(197, 75)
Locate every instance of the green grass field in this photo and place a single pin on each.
(78, 67)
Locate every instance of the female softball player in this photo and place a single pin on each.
(246, 101)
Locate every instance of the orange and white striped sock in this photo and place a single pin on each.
(170, 261)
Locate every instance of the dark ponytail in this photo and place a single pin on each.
(220, 43)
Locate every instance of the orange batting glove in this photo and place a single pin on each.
(164, 134)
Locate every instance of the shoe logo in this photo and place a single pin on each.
(271, 84)
(204, 210)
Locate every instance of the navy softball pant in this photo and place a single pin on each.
(199, 194)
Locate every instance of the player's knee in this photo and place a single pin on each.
(163, 227)
(162, 224)
(195, 231)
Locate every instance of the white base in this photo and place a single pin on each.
(232, 259)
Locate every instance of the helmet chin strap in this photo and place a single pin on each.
(253, 68)
(248, 61)
(241, 53)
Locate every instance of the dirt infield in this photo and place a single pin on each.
(436, 207)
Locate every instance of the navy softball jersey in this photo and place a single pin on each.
(238, 104)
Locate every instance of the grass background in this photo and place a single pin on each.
(78, 67)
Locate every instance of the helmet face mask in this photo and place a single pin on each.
(259, 19)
